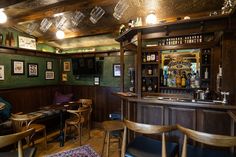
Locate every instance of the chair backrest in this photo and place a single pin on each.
(205, 138)
(82, 111)
(87, 103)
(16, 137)
(146, 129)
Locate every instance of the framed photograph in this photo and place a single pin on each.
(49, 65)
(64, 77)
(49, 75)
(27, 43)
(32, 70)
(66, 66)
(116, 70)
(96, 80)
(17, 67)
(2, 75)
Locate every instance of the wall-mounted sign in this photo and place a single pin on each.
(27, 43)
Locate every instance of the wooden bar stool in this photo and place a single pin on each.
(109, 127)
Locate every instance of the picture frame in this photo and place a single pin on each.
(116, 70)
(66, 66)
(49, 65)
(64, 77)
(2, 74)
(96, 80)
(27, 42)
(18, 67)
(49, 75)
(32, 69)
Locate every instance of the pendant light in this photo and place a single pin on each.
(60, 34)
(151, 18)
(3, 16)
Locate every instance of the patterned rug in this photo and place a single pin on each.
(83, 151)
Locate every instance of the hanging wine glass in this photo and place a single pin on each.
(96, 14)
(120, 8)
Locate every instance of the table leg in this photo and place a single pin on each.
(61, 138)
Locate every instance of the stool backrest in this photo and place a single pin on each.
(205, 138)
(146, 129)
(16, 137)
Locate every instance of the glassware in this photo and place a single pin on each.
(96, 14)
(77, 18)
(60, 21)
(120, 8)
(31, 28)
(137, 2)
(45, 25)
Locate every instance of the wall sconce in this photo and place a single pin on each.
(120, 8)
(3, 16)
(60, 34)
(96, 14)
(151, 18)
(77, 18)
(45, 25)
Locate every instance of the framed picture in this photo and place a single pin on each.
(32, 70)
(64, 77)
(17, 67)
(116, 70)
(49, 65)
(66, 66)
(2, 75)
(49, 75)
(96, 80)
(27, 43)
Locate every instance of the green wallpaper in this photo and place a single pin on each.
(106, 79)
(14, 81)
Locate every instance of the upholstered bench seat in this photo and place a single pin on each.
(143, 146)
(206, 152)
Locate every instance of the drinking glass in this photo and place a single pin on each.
(60, 21)
(77, 18)
(31, 28)
(120, 8)
(45, 25)
(96, 14)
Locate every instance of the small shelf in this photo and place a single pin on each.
(147, 63)
(150, 76)
(177, 88)
(205, 65)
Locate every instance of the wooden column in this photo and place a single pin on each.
(138, 74)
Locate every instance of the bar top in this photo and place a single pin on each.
(178, 102)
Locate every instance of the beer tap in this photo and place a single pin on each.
(224, 94)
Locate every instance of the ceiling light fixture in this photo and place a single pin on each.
(3, 16)
(60, 34)
(151, 18)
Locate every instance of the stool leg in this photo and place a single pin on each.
(103, 143)
(45, 138)
(108, 143)
(65, 132)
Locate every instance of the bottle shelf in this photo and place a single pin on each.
(177, 88)
(148, 63)
(205, 80)
(205, 65)
(150, 76)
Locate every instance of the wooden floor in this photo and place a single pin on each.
(96, 142)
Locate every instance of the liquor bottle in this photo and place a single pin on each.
(183, 80)
(197, 80)
(150, 86)
(144, 58)
(155, 89)
(12, 40)
(192, 80)
(205, 58)
(156, 57)
(188, 81)
(7, 41)
(152, 57)
(144, 88)
(165, 79)
(219, 80)
(162, 77)
(148, 57)
(206, 74)
(149, 71)
(178, 80)
(169, 79)
(1, 39)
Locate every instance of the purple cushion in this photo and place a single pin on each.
(61, 98)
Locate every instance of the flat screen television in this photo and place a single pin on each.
(87, 66)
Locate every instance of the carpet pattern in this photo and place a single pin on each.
(83, 151)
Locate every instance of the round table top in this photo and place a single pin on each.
(113, 125)
(2, 106)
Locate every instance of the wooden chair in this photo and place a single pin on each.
(87, 117)
(206, 138)
(77, 120)
(17, 137)
(23, 122)
(143, 146)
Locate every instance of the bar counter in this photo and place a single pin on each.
(211, 117)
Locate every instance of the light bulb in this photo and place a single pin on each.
(3, 17)
(151, 19)
(60, 34)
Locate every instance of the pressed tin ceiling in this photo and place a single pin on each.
(21, 13)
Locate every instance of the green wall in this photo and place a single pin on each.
(14, 81)
(106, 78)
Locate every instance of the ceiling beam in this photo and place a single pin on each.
(7, 3)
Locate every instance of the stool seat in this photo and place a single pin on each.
(113, 125)
(109, 127)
